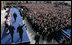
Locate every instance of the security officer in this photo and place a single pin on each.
(15, 16)
(20, 30)
(37, 37)
(11, 31)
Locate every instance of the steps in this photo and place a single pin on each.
(65, 33)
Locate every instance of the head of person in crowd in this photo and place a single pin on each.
(38, 33)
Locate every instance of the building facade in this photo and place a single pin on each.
(3, 3)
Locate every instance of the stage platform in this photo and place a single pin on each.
(6, 39)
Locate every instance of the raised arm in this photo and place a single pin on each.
(22, 25)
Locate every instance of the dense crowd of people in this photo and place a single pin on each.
(48, 19)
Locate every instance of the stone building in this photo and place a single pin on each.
(2, 5)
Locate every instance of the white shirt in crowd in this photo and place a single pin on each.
(8, 22)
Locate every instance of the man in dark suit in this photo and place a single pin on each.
(11, 31)
(6, 25)
(20, 30)
(15, 16)
(37, 37)
(44, 34)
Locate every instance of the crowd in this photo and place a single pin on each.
(48, 19)
(8, 20)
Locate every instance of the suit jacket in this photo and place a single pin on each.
(19, 29)
(37, 37)
(15, 15)
(11, 29)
